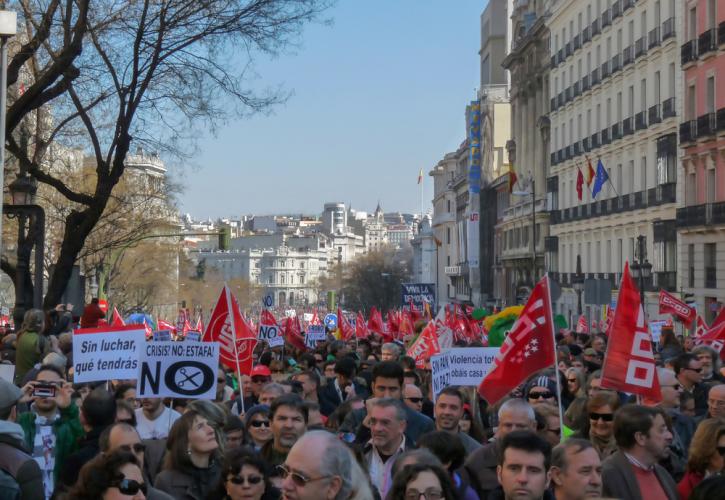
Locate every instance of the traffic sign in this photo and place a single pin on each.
(268, 300)
(331, 321)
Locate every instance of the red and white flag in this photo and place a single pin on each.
(581, 325)
(701, 328)
(715, 338)
(236, 338)
(528, 348)
(347, 332)
(293, 333)
(629, 363)
(165, 325)
(315, 319)
(669, 304)
(361, 328)
(116, 319)
(425, 346)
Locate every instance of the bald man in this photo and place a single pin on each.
(413, 397)
(716, 402)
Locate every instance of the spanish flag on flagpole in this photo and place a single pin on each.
(420, 176)
(589, 172)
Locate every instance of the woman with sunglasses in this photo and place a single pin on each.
(257, 426)
(705, 458)
(600, 430)
(245, 476)
(191, 467)
(112, 476)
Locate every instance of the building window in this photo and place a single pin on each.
(691, 189)
(710, 269)
(711, 185)
(448, 235)
(667, 159)
(691, 265)
(448, 205)
(282, 278)
(710, 104)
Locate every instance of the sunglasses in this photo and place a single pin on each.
(539, 395)
(252, 480)
(721, 450)
(260, 423)
(676, 387)
(414, 400)
(572, 380)
(137, 447)
(130, 487)
(698, 370)
(607, 417)
(300, 480)
(221, 380)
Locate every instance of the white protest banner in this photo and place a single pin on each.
(7, 372)
(466, 366)
(193, 336)
(178, 370)
(271, 334)
(162, 336)
(314, 334)
(107, 353)
(307, 317)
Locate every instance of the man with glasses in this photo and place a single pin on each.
(319, 467)
(683, 427)
(448, 413)
(715, 402)
(413, 397)
(122, 436)
(387, 426)
(689, 374)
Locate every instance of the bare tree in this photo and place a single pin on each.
(150, 73)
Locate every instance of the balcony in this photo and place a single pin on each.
(577, 42)
(640, 120)
(577, 148)
(710, 277)
(561, 99)
(568, 93)
(595, 140)
(616, 63)
(654, 38)
(586, 144)
(595, 77)
(553, 61)
(596, 28)
(604, 70)
(627, 4)
(706, 214)
(586, 35)
(668, 108)
(585, 83)
(654, 114)
(706, 125)
(721, 33)
(640, 47)
(616, 131)
(553, 104)
(665, 280)
(627, 55)
(560, 56)
(668, 29)
(616, 9)
(568, 50)
(605, 136)
(707, 42)
(688, 131)
(688, 52)
(721, 119)
(664, 193)
(606, 18)
(576, 90)
(627, 126)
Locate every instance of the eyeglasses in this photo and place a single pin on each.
(698, 370)
(414, 400)
(299, 479)
(572, 380)
(259, 423)
(136, 447)
(607, 417)
(130, 487)
(539, 395)
(676, 387)
(429, 494)
(716, 402)
(252, 480)
(721, 450)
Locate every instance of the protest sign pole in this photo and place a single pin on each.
(556, 365)
(230, 305)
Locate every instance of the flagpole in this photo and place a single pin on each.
(230, 310)
(556, 365)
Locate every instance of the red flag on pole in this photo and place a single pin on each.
(715, 338)
(720, 318)
(361, 328)
(579, 184)
(375, 323)
(315, 320)
(116, 319)
(669, 304)
(346, 330)
(701, 328)
(629, 364)
(581, 325)
(425, 346)
(236, 338)
(293, 333)
(528, 348)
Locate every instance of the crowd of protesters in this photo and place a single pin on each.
(358, 420)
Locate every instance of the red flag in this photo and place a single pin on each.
(425, 346)
(236, 338)
(347, 332)
(116, 319)
(375, 322)
(715, 338)
(720, 318)
(414, 314)
(701, 328)
(406, 323)
(579, 184)
(629, 364)
(669, 304)
(361, 328)
(315, 320)
(427, 314)
(581, 325)
(165, 325)
(293, 333)
(528, 348)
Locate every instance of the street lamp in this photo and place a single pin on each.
(8, 27)
(23, 189)
(641, 268)
(578, 284)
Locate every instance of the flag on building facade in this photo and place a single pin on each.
(629, 363)
(528, 348)
(579, 184)
(600, 179)
(589, 177)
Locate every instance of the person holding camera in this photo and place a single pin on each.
(52, 427)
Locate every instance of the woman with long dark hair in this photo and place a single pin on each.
(245, 476)
(110, 476)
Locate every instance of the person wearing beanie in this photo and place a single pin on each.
(541, 390)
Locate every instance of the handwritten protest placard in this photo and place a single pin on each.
(465, 366)
(107, 353)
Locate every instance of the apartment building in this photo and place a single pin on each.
(615, 84)
(701, 216)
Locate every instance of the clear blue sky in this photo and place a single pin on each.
(377, 95)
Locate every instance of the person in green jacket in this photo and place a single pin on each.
(52, 427)
(31, 345)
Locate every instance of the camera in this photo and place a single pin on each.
(44, 391)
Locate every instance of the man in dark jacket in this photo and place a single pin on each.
(523, 467)
(98, 411)
(14, 457)
(643, 439)
(387, 383)
(342, 387)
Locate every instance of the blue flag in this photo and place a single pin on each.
(600, 179)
